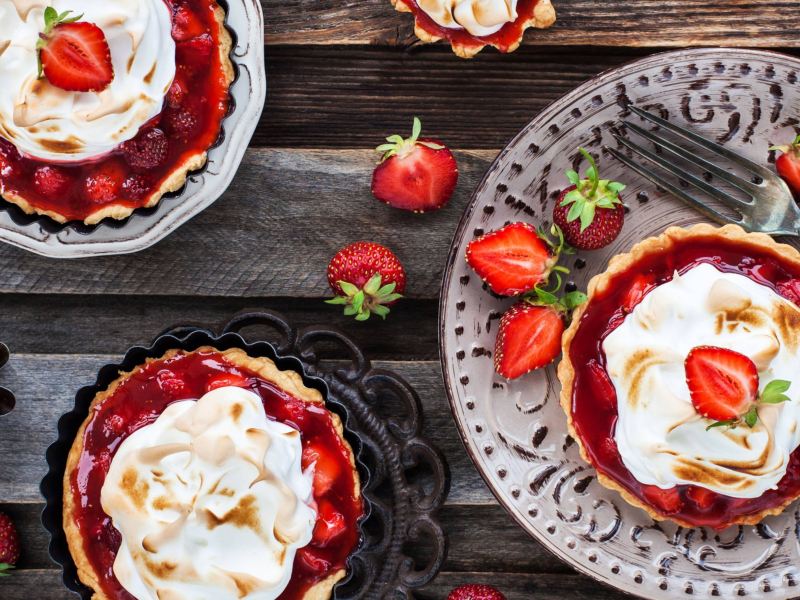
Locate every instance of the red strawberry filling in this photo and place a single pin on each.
(144, 396)
(189, 124)
(594, 409)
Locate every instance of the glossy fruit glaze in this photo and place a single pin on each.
(594, 403)
(505, 39)
(143, 397)
(128, 176)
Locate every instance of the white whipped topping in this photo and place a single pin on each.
(662, 439)
(49, 123)
(211, 502)
(478, 17)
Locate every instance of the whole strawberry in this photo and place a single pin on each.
(366, 278)
(788, 165)
(475, 591)
(417, 174)
(590, 212)
(9, 545)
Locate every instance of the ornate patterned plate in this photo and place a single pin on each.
(516, 432)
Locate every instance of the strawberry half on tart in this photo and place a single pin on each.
(679, 376)
(107, 106)
(471, 25)
(211, 474)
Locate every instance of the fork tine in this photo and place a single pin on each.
(734, 180)
(675, 190)
(705, 143)
(723, 197)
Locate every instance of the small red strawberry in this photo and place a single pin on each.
(603, 390)
(104, 182)
(788, 165)
(723, 385)
(171, 384)
(702, 497)
(666, 501)
(417, 174)
(330, 523)
(195, 52)
(74, 54)
(147, 150)
(530, 332)
(182, 123)
(185, 24)
(640, 285)
(514, 259)
(475, 591)
(366, 278)
(135, 187)
(9, 545)
(177, 92)
(590, 212)
(51, 181)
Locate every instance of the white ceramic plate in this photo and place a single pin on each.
(147, 226)
(516, 432)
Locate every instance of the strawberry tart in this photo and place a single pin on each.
(107, 106)
(211, 474)
(471, 25)
(679, 376)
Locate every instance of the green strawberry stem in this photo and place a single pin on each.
(4, 568)
(789, 147)
(774, 393)
(371, 299)
(52, 19)
(590, 193)
(398, 146)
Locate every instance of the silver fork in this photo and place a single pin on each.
(771, 208)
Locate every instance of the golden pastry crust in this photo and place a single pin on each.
(289, 381)
(600, 283)
(179, 174)
(544, 15)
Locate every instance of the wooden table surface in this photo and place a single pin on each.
(342, 74)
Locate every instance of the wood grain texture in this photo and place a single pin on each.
(623, 23)
(45, 386)
(271, 234)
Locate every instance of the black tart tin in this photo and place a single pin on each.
(404, 478)
(7, 399)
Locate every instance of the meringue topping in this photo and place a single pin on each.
(211, 502)
(52, 124)
(661, 438)
(478, 17)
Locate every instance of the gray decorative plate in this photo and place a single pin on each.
(145, 227)
(516, 432)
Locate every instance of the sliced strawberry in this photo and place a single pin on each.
(417, 174)
(603, 391)
(639, 287)
(330, 523)
(512, 260)
(529, 338)
(702, 497)
(103, 184)
(665, 501)
(723, 384)
(74, 55)
(326, 468)
(51, 181)
(147, 150)
(185, 24)
(226, 380)
(313, 561)
(195, 52)
(135, 187)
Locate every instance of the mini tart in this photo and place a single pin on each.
(185, 156)
(754, 255)
(539, 14)
(89, 531)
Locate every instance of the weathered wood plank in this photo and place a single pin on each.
(516, 586)
(467, 526)
(94, 325)
(628, 23)
(271, 234)
(45, 386)
(352, 97)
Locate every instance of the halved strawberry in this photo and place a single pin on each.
(666, 501)
(417, 174)
(529, 338)
(226, 380)
(330, 523)
(702, 497)
(514, 259)
(639, 287)
(73, 54)
(326, 467)
(603, 391)
(723, 384)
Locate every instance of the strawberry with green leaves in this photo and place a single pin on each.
(788, 165)
(590, 211)
(366, 278)
(723, 385)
